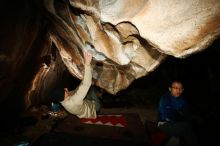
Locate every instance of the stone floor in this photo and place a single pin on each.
(38, 127)
(37, 124)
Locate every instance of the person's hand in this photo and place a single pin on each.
(88, 57)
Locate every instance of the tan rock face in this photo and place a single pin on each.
(128, 39)
(131, 38)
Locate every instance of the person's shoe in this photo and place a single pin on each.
(58, 114)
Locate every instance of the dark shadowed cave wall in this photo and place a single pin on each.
(199, 72)
(22, 33)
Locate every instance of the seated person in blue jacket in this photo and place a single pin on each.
(80, 102)
(173, 114)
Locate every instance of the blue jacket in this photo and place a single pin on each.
(172, 109)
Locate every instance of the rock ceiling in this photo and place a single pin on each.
(128, 39)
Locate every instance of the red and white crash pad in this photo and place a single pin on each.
(118, 120)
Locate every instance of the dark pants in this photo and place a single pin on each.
(183, 130)
(92, 96)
